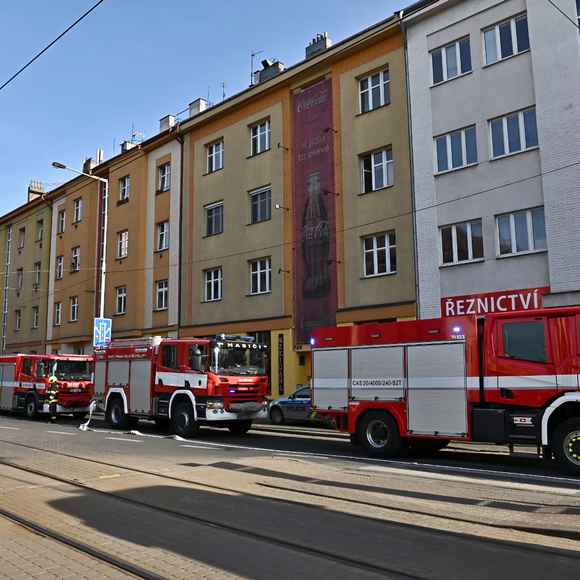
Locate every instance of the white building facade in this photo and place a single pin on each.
(494, 102)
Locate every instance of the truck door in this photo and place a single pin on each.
(26, 374)
(7, 385)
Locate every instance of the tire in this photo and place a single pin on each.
(115, 415)
(30, 407)
(183, 420)
(276, 416)
(162, 423)
(567, 445)
(354, 440)
(427, 446)
(240, 427)
(379, 435)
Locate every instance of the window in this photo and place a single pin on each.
(75, 263)
(77, 210)
(124, 188)
(121, 300)
(261, 205)
(525, 341)
(260, 276)
(39, 230)
(169, 356)
(305, 393)
(379, 254)
(57, 314)
(521, 231)
(214, 218)
(165, 177)
(17, 320)
(456, 150)
(74, 308)
(462, 242)
(578, 11)
(513, 133)
(375, 91)
(215, 156)
(260, 134)
(35, 317)
(213, 284)
(27, 366)
(451, 61)
(61, 221)
(37, 271)
(59, 269)
(377, 170)
(19, 278)
(506, 39)
(162, 236)
(21, 238)
(123, 244)
(162, 295)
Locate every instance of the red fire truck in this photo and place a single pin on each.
(509, 378)
(24, 383)
(220, 382)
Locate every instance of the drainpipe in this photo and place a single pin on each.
(6, 287)
(180, 138)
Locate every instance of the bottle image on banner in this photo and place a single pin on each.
(315, 241)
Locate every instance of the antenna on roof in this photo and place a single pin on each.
(223, 90)
(253, 55)
(136, 136)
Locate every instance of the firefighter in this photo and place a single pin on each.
(52, 394)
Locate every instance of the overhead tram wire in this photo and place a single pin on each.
(39, 54)
(566, 16)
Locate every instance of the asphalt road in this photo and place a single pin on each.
(289, 502)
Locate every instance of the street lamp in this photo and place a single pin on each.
(58, 165)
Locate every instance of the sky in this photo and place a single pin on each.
(131, 62)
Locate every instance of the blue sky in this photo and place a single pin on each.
(131, 62)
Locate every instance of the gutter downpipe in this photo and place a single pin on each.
(180, 138)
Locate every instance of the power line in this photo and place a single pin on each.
(574, 23)
(39, 54)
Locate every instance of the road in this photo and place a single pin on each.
(282, 502)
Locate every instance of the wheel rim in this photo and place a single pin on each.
(30, 409)
(116, 414)
(572, 447)
(378, 434)
(183, 421)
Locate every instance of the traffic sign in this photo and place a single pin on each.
(102, 332)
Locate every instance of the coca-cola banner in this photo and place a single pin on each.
(504, 301)
(314, 210)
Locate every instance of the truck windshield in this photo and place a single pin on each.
(239, 361)
(73, 370)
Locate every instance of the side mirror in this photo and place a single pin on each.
(292, 397)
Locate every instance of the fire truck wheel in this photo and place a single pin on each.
(183, 420)
(567, 445)
(30, 408)
(379, 434)
(115, 415)
(240, 428)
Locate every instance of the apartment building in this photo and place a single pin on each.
(493, 108)
(24, 251)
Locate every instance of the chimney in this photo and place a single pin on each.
(166, 123)
(88, 165)
(35, 190)
(318, 44)
(127, 145)
(270, 70)
(198, 106)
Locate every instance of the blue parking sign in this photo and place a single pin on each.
(102, 332)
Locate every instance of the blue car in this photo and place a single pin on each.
(293, 408)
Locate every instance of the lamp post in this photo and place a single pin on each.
(105, 181)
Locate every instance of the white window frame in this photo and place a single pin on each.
(17, 320)
(161, 295)
(37, 273)
(210, 277)
(75, 261)
(266, 262)
(530, 227)
(122, 244)
(162, 236)
(385, 163)
(39, 230)
(124, 188)
(21, 238)
(120, 300)
(256, 131)
(453, 227)
(443, 50)
(383, 100)
(35, 317)
(74, 308)
(256, 194)
(165, 176)
(211, 207)
(77, 210)
(59, 267)
(447, 136)
(375, 252)
(522, 129)
(61, 222)
(19, 279)
(57, 314)
(215, 156)
(495, 28)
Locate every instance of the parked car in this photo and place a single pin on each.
(293, 408)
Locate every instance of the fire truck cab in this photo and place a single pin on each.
(24, 380)
(509, 378)
(220, 382)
